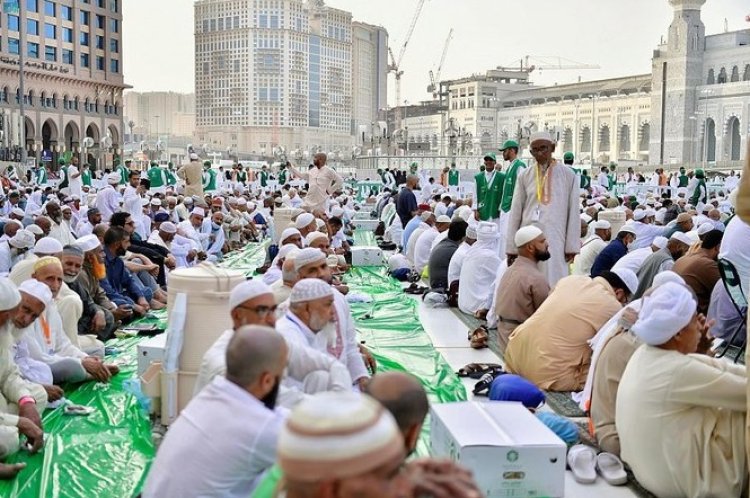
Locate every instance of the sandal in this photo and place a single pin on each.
(477, 370)
(582, 463)
(479, 338)
(415, 289)
(482, 388)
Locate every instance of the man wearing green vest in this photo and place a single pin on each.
(699, 196)
(64, 183)
(86, 176)
(489, 186)
(209, 177)
(40, 176)
(171, 177)
(158, 178)
(682, 180)
(124, 170)
(612, 176)
(454, 179)
(263, 177)
(510, 153)
(282, 176)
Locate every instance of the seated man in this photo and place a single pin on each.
(478, 271)
(551, 348)
(211, 449)
(661, 260)
(440, 257)
(121, 287)
(677, 406)
(282, 288)
(457, 260)
(592, 246)
(423, 245)
(612, 252)
(523, 287)
(21, 402)
(700, 270)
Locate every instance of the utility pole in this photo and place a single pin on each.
(18, 7)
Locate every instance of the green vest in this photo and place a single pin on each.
(489, 197)
(453, 177)
(209, 180)
(157, 177)
(612, 181)
(509, 184)
(264, 178)
(698, 193)
(242, 176)
(124, 173)
(41, 176)
(282, 177)
(63, 177)
(86, 176)
(585, 181)
(171, 178)
(682, 181)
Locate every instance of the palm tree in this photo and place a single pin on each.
(131, 125)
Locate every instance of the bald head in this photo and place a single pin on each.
(255, 350)
(402, 395)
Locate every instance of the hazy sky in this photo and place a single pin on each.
(619, 36)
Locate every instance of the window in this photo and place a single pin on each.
(13, 23)
(100, 21)
(66, 13)
(114, 26)
(32, 27)
(50, 31)
(84, 60)
(67, 56)
(100, 42)
(50, 53)
(114, 66)
(85, 17)
(33, 50)
(113, 5)
(49, 8)
(67, 35)
(114, 46)
(100, 63)
(100, 3)
(84, 38)
(32, 5)
(14, 46)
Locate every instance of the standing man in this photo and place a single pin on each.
(124, 171)
(323, 182)
(75, 183)
(85, 176)
(510, 154)
(454, 179)
(263, 177)
(62, 185)
(389, 181)
(191, 174)
(40, 176)
(489, 185)
(547, 196)
(282, 175)
(209, 178)
(406, 204)
(158, 178)
(699, 195)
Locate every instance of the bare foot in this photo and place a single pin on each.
(10, 470)
(157, 305)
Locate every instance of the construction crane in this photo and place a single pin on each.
(395, 65)
(552, 63)
(435, 78)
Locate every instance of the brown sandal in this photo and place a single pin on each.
(479, 338)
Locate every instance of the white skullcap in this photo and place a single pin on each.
(682, 237)
(37, 290)
(426, 216)
(88, 243)
(48, 245)
(247, 290)
(540, 136)
(9, 295)
(639, 214)
(187, 200)
(338, 212)
(705, 228)
(666, 311)
(241, 201)
(144, 202)
(660, 242)
(486, 231)
(250, 205)
(35, 229)
(663, 277)
(113, 178)
(320, 223)
(590, 202)
(312, 236)
(443, 219)
(168, 227)
(308, 256)
(288, 232)
(628, 277)
(586, 218)
(526, 234)
(303, 220)
(23, 239)
(398, 261)
(337, 435)
(17, 211)
(309, 289)
(627, 228)
(287, 251)
(156, 201)
(601, 225)
(471, 233)
(650, 213)
(193, 156)
(198, 211)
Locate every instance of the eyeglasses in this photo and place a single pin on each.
(541, 148)
(261, 311)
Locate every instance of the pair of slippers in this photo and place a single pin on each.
(585, 464)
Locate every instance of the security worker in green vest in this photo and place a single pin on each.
(171, 176)
(209, 177)
(454, 178)
(282, 175)
(158, 178)
(489, 185)
(682, 180)
(86, 175)
(124, 171)
(510, 154)
(64, 182)
(263, 177)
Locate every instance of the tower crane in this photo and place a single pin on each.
(435, 78)
(395, 65)
(552, 63)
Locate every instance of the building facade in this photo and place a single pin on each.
(369, 79)
(73, 79)
(150, 115)
(273, 77)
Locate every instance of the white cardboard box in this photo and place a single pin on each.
(369, 225)
(367, 256)
(510, 452)
(150, 350)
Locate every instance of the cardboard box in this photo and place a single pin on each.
(151, 350)
(367, 256)
(368, 225)
(510, 452)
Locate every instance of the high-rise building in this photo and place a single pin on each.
(370, 78)
(155, 115)
(73, 79)
(273, 73)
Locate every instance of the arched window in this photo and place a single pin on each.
(43, 99)
(735, 74)
(746, 76)
(86, 105)
(76, 103)
(711, 77)
(722, 76)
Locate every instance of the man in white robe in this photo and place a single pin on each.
(592, 247)
(428, 221)
(107, 198)
(546, 195)
(458, 258)
(478, 272)
(423, 245)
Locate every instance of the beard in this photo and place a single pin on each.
(100, 271)
(269, 400)
(543, 255)
(69, 279)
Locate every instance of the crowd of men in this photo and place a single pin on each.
(589, 285)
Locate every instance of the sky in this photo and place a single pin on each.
(619, 36)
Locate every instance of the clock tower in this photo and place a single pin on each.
(677, 71)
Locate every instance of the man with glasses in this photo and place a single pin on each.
(547, 196)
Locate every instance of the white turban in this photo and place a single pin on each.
(35, 229)
(541, 136)
(17, 212)
(526, 234)
(666, 311)
(639, 214)
(660, 242)
(23, 239)
(168, 227)
(309, 289)
(9, 295)
(308, 256)
(486, 231)
(471, 233)
(705, 228)
(286, 251)
(303, 220)
(88, 242)
(247, 290)
(601, 225)
(628, 277)
(663, 277)
(198, 211)
(337, 211)
(113, 178)
(313, 236)
(288, 232)
(48, 245)
(37, 290)
(682, 237)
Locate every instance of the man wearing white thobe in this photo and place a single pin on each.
(323, 182)
(107, 199)
(478, 271)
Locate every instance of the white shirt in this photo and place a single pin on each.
(634, 259)
(422, 248)
(7, 259)
(589, 251)
(645, 233)
(427, 193)
(457, 261)
(440, 209)
(323, 182)
(219, 446)
(61, 232)
(478, 274)
(734, 247)
(108, 202)
(52, 349)
(74, 184)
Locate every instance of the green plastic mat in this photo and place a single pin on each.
(106, 454)
(246, 259)
(364, 238)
